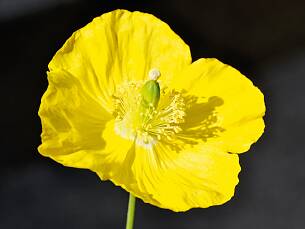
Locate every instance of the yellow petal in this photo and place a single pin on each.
(236, 105)
(115, 161)
(121, 45)
(72, 120)
(197, 176)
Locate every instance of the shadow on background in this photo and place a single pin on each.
(263, 39)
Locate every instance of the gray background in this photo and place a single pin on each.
(264, 39)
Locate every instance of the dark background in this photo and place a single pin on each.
(263, 39)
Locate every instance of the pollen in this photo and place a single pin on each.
(147, 124)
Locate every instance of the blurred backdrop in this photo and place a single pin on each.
(264, 39)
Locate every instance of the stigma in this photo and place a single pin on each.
(154, 74)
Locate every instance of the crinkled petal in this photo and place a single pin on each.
(196, 176)
(119, 46)
(233, 108)
(72, 121)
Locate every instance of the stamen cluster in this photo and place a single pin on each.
(148, 124)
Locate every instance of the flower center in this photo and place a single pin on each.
(145, 114)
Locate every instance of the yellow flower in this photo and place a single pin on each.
(125, 101)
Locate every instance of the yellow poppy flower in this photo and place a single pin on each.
(125, 101)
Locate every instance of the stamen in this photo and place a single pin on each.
(147, 124)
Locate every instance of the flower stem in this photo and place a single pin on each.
(131, 211)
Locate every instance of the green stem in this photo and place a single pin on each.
(131, 210)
